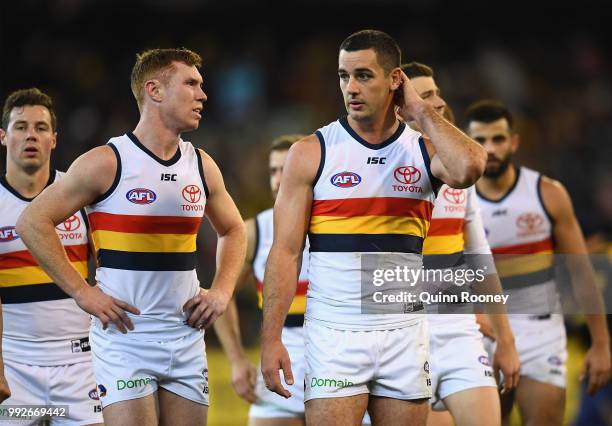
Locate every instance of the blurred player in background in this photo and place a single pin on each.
(147, 192)
(527, 218)
(462, 379)
(268, 408)
(342, 186)
(45, 343)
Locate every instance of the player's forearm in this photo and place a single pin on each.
(227, 328)
(463, 158)
(598, 329)
(231, 252)
(280, 283)
(38, 234)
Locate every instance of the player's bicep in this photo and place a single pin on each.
(294, 200)
(87, 178)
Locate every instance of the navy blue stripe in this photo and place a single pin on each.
(140, 261)
(294, 320)
(115, 181)
(201, 170)
(395, 136)
(343, 243)
(257, 239)
(443, 261)
(435, 182)
(32, 293)
(539, 185)
(169, 162)
(16, 193)
(507, 194)
(526, 280)
(322, 160)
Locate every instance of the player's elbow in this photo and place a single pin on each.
(25, 224)
(471, 171)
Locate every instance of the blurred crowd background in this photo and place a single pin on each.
(270, 68)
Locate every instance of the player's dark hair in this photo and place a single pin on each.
(284, 142)
(388, 53)
(488, 111)
(416, 69)
(23, 97)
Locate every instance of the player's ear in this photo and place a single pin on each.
(515, 141)
(54, 140)
(2, 137)
(154, 90)
(396, 78)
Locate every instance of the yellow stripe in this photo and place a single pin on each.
(33, 275)
(146, 243)
(443, 244)
(525, 264)
(369, 225)
(298, 305)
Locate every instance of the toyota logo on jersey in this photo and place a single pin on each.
(455, 196)
(70, 224)
(407, 175)
(192, 193)
(529, 221)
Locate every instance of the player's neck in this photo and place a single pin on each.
(157, 138)
(495, 188)
(27, 184)
(377, 130)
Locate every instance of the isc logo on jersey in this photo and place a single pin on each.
(68, 227)
(345, 179)
(141, 196)
(407, 176)
(8, 233)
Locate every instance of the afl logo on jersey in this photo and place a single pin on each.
(141, 196)
(70, 224)
(455, 196)
(345, 179)
(8, 233)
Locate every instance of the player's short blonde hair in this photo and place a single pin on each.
(157, 63)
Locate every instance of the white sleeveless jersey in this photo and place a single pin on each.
(265, 235)
(42, 324)
(144, 229)
(519, 231)
(366, 199)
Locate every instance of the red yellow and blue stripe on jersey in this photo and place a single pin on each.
(22, 280)
(522, 265)
(382, 224)
(443, 247)
(145, 243)
(295, 317)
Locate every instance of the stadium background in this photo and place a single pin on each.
(270, 68)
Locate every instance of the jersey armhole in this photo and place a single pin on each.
(115, 181)
(436, 183)
(322, 161)
(85, 220)
(201, 171)
(541, 199)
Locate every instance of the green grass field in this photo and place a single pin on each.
(227, 409)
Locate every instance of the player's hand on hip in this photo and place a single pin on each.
(274, 357)
(596, 367)
(206, 307)
(244, 378)
(106, 308)
(408, 100)
(5, 391)
(506, 360)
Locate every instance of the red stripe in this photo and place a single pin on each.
(144, 224)
(447, 226)
(528, 248)
(21, 259)
(380, 206)
(302, 287)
